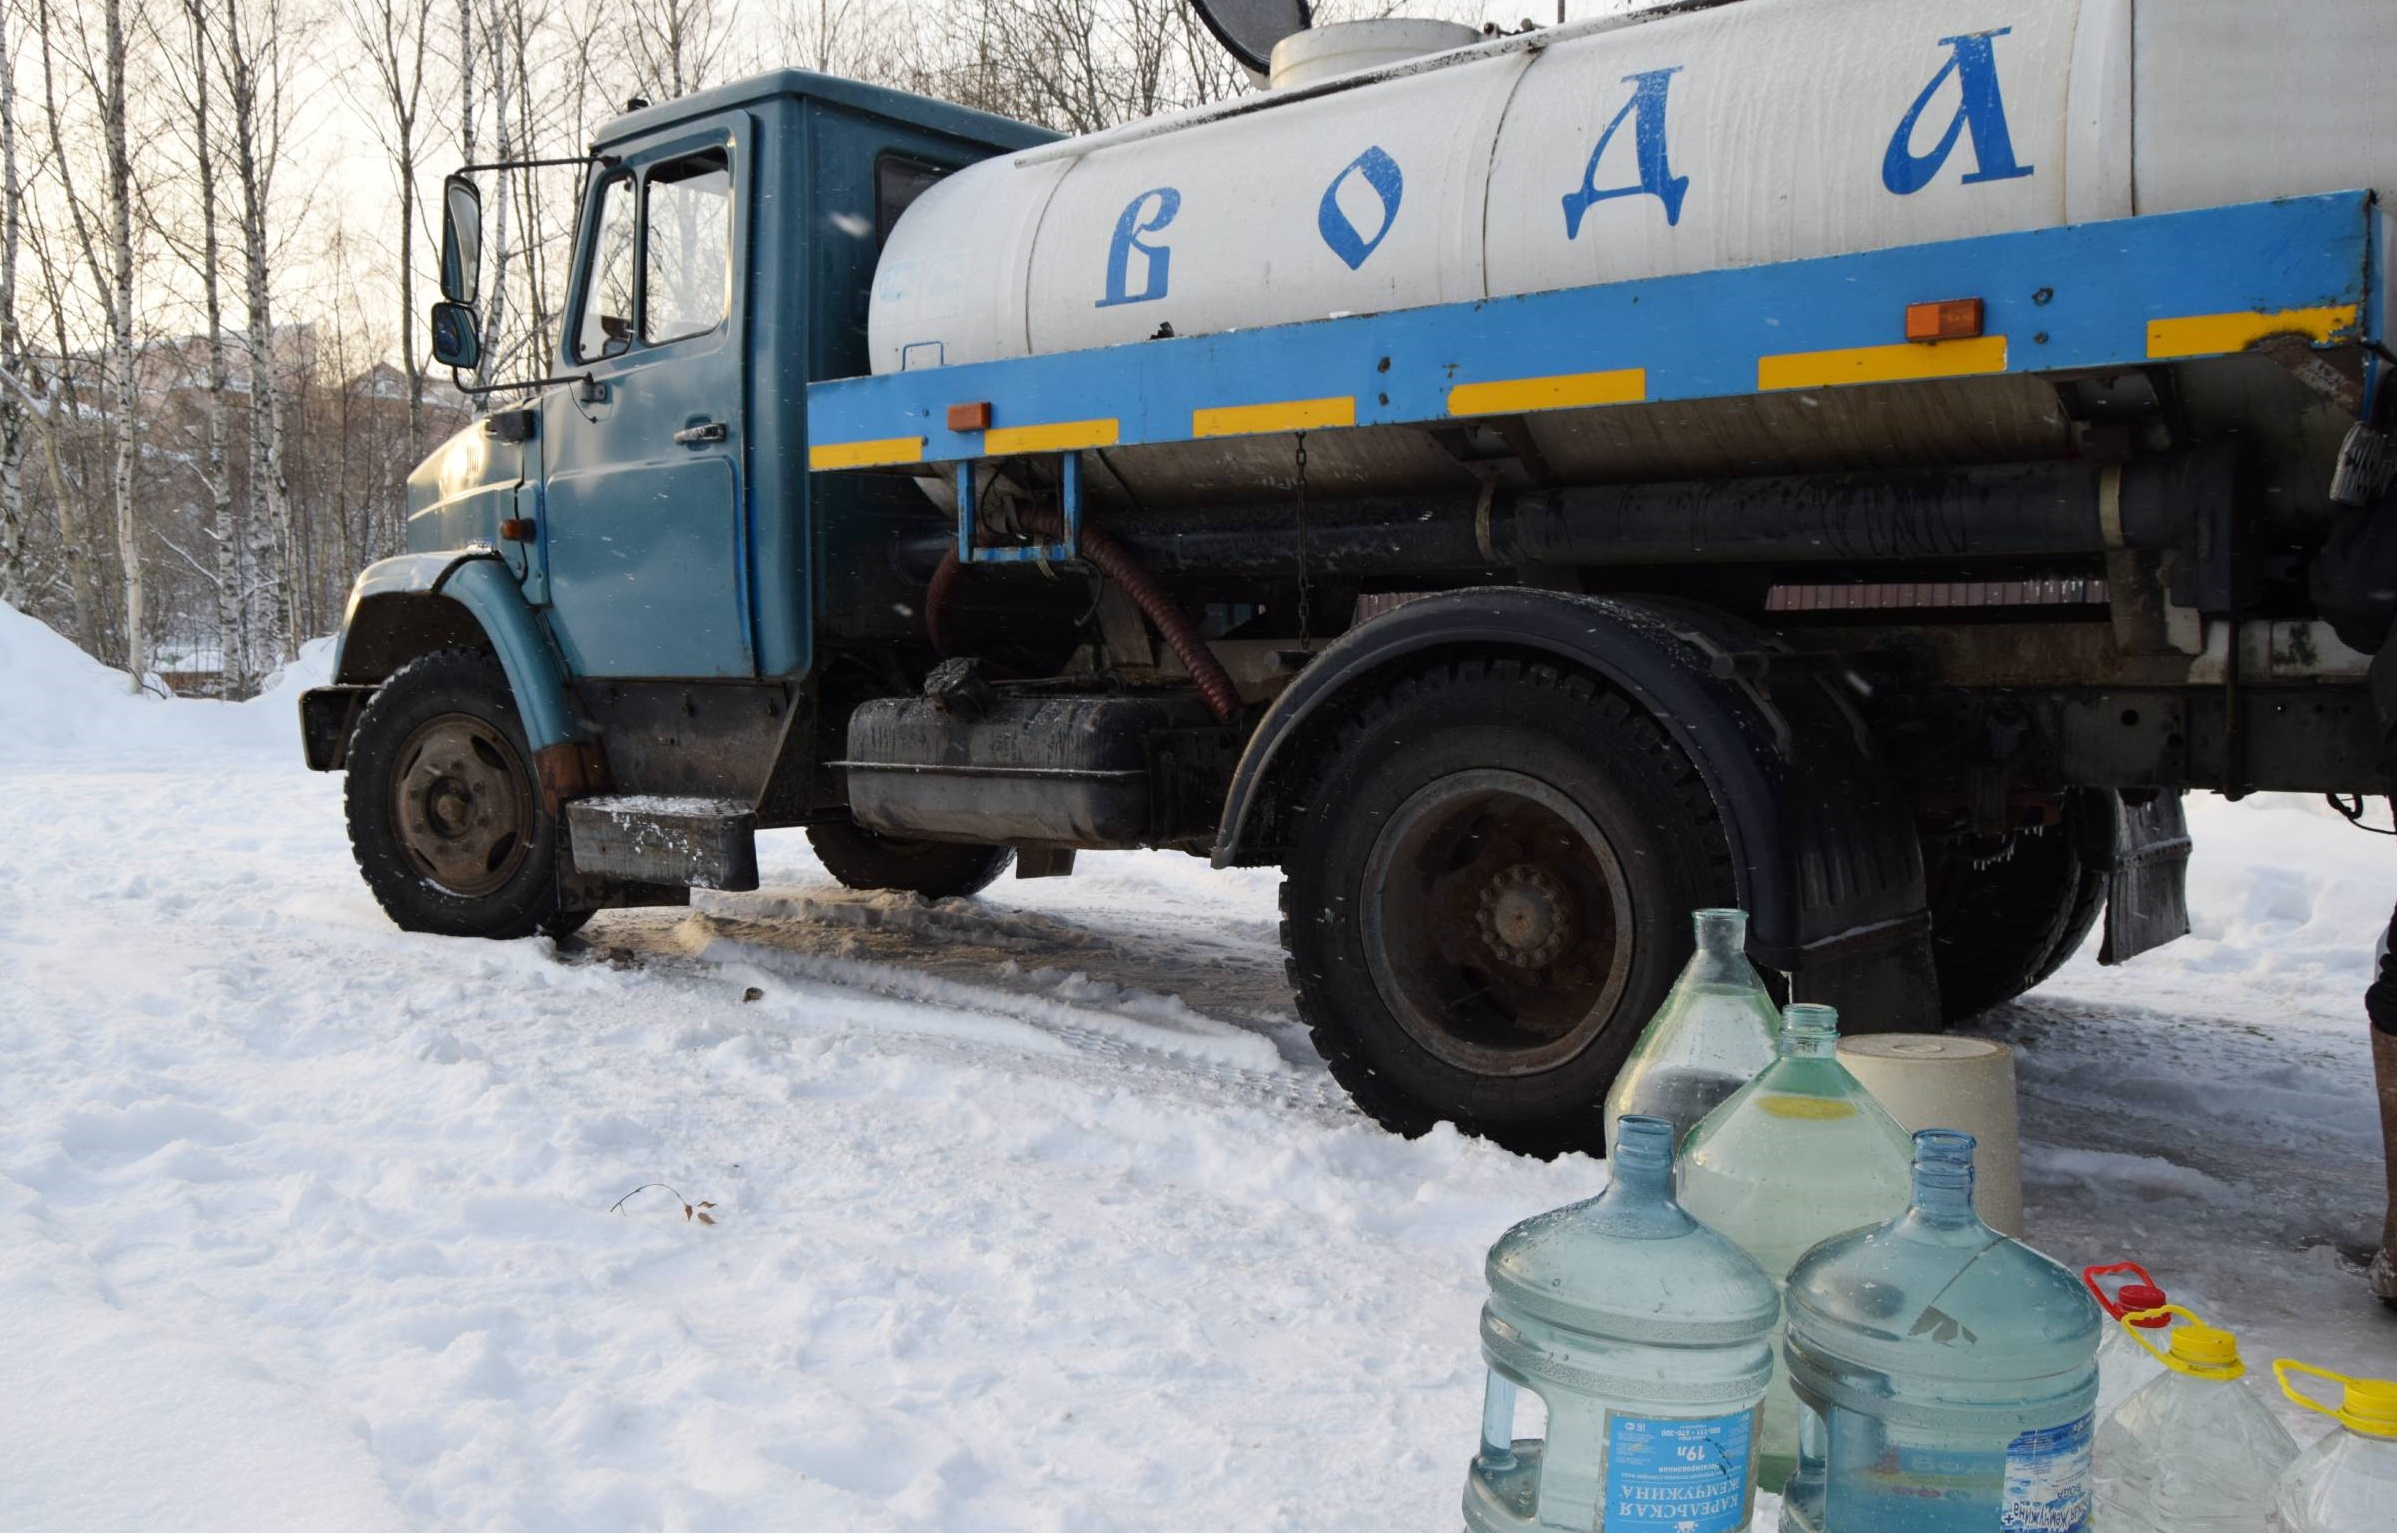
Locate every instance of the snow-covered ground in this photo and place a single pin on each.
(1030, 1213)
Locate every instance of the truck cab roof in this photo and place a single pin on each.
(777, 84)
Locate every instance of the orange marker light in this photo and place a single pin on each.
(1953, 319)
(973, 417)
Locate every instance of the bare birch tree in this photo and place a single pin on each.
(16, 413)
(253, 90)
(396, 37)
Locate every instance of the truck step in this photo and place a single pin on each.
(707, 843)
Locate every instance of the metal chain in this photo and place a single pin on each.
(1306, 589)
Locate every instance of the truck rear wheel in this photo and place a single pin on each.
(445, 813)
(1488, 894)
(2006, 917)
(937, 870)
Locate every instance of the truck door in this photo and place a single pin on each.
(644, 532)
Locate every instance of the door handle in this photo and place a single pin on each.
(701, 434)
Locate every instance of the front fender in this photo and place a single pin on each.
(411, 604)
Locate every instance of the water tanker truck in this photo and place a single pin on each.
(1856, 460)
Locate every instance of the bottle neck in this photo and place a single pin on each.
(1943, 1178)
(1809, 1032)
(1638, 1201)
(1722, 955)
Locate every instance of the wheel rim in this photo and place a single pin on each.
(1497, 923)
(462, 804)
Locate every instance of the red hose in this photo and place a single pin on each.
(1115, 562)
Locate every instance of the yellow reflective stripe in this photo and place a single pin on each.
(889, 449)
(1283, 415)
(2212, 335)
(1905, 362)
(1558, 391)
(1053, 436)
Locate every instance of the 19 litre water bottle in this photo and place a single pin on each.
(2193, 1452)
(2124, 1366)
(1944, 1373)
(1643, 1333)
(1710, 1037)
(2347, 1482)
(1799, 1154)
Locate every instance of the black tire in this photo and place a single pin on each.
(1519, 958)
(2005, 917)
(445, 813)
(937, 870)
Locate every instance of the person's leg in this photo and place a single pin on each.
(2380, 1003)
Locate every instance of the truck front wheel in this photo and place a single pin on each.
(937, 870)
(1488, 894)
(445, 814)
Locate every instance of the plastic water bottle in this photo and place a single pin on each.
(1710, 1037)
(2194, 1451)
(2124, 1366)
(1799, 1154)
(1643, 1333)
(1944, 1373)
(2347, 1482)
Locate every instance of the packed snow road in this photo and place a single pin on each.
(1029, 1213)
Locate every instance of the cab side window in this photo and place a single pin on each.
(606, 328)
(688, 243)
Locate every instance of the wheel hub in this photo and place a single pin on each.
(1526, 917)
(1496, 922)
(462, 804)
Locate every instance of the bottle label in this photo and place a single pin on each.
(1680, 1474)
(2047, 1480)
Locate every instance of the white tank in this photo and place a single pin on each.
(1761, 131)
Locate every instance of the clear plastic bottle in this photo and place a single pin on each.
(1944, 1373)
(1713, 1033)
(1643, 1333)
(2194, 1451)
(2124, 1366)
(1799, 1154)
(2347, 1482)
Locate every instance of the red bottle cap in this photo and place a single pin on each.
(2134, 1297)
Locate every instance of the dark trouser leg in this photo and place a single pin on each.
(2380, 1003)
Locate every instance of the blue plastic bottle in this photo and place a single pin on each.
(1945, 1373)
(1644, 1334)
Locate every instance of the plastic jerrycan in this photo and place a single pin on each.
(1715, 1030)
(2122, 1364)
(2193, 1451)
(1944, 1372)
(2347, 1482)
(1643, 1333)
(1799, 1154)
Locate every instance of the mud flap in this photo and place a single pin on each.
(2147, 879)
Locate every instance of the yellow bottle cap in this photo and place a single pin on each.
(2199, 1350)
(2368, 1406)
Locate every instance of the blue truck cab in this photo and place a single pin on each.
(633, 560)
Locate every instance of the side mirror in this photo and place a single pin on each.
(461, 239)
(457, 336)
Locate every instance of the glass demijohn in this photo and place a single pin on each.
(1799, 1154)
(1715, 1030)
(1944, 1372)
(1642, 1332)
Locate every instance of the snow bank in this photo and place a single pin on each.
(56, 700)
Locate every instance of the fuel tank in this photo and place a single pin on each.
(1612, 149)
